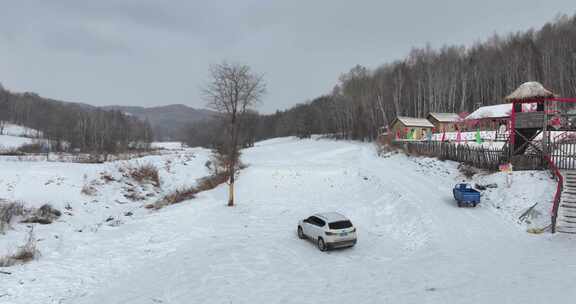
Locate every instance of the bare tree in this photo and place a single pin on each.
(232, 90)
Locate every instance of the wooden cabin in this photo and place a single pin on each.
(488, 118)
(444, 122)
(410, 127)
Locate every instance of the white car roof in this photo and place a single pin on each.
(331, 216)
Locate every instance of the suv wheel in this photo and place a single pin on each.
(321, 245)
(301, 233)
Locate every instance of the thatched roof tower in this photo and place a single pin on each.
(530, 90)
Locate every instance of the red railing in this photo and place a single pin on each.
(553, 168)
(568, 135)
(560, 136)
(556, 204)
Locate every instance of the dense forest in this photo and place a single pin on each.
(450, 79)
(73, 126)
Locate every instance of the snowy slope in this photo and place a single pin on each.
(14, 136)
(21, 131)
(8, 142)
(61, 185)
(415, 245)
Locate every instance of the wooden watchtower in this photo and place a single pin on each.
(529, 120)
(543, 132)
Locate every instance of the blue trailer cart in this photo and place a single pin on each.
(465, 195)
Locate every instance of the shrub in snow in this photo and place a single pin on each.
(31, 148)
(44, 215)
(186, 193)
(8, 211)
(134, 195)
(211, 182)
(89, 190)
(145, 173)
(23, 254)
(385, 149)
(467, 171)
(107, 177)
(177, 196)
(10, 152)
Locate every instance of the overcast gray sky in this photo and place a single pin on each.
(157, 52)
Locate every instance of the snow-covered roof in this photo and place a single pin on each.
(331, 216)
(498, 111)
(445, 117)
(495, 111)
(530, 90)
(415, 122)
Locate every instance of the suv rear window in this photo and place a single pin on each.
(340, 225)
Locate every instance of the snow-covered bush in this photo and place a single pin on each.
(23, 254)
(89, 189)
(187, 193)
(145, 173)
(174, 197)
(11, 211)
(8, 211)
(44, 215)
(211, 182)
(31, 148)
(107, 177)
(467, 171)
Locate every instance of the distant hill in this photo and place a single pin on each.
(167, 121)
(70, 125)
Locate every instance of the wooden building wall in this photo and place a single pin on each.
(419, 132)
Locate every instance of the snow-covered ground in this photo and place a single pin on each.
(14, 136)
(168, 145)
(86, 216)
(17, 130)
(415, 245)
(9, 142)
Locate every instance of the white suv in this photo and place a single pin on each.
(328, 230)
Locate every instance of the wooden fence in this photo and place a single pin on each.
(563, 155)
(479, 157)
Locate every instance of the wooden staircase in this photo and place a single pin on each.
(566, 220)
(525, 136)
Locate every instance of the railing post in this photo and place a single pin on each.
(558, 195)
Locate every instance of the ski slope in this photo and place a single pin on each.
(415, 245)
